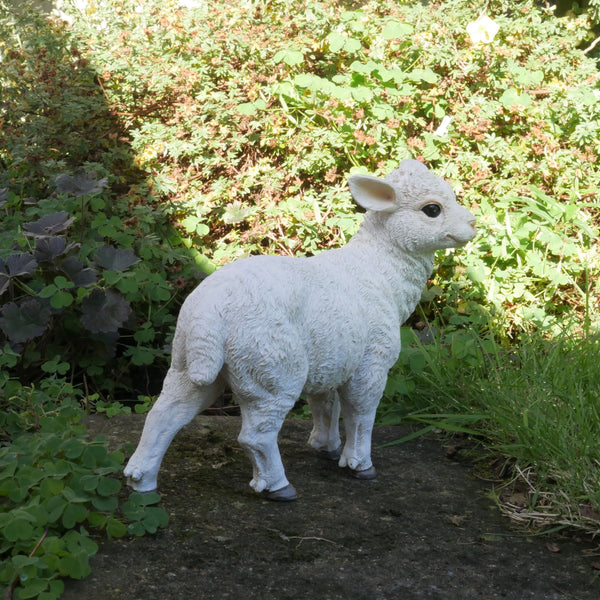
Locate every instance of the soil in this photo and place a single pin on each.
(425, 528)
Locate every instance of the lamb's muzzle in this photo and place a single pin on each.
(272, 328)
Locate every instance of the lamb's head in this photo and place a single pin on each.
(415, 208)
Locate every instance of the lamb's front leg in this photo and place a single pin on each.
(325, 435)
(359, 400)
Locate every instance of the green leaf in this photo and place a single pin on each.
(28, 476)
(21, 561)
(246, 108)
(290, 57)
(72, 448)
(511, 98)
(96, 519)
(145, 334)
(144, 499)
(115, 528)
(108, 486)
(105, 504)
(136, 529)
(75, 566)
(32, 588)
(352, 45)
(18, 529)
(336, 41)
(426, 75)
(51, 487)
(61, 299)
(477, 273)
(55, 507)
(74, 513)
(362, 94)
(93, 456)
(141, 356)
(89, 482)
(395, 29)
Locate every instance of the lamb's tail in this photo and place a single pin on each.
(199, 347)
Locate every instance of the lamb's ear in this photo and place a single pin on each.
(373, 193)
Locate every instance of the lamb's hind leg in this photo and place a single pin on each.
(179, 402)
(325, 435)
(261, 423)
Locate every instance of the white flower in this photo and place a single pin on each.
(191, 4)
(442, 130)
(483, 30)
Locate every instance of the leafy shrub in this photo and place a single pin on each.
(90, 264)
(253, 123)
(55, 484)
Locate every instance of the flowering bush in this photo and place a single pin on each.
(249, 122)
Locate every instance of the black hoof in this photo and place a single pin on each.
(330, 454)
(285, 494)
(369, 473)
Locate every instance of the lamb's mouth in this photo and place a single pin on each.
(458, 241)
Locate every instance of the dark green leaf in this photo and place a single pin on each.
(55, 507)
(104, 311)
(28, 476)
(80, 185)
(47, 249)
(115, 259)
(24, 321)
(75, 271)
(48, 225)
(21, 264)
(93, 456)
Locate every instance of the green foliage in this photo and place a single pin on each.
(90, 264)
(55, 484)
(537, 404)
(254, 122)
(143, 143)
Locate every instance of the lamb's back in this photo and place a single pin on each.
(317, 316)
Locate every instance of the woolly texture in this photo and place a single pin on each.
(272, 328)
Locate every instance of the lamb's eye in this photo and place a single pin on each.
(432, 210)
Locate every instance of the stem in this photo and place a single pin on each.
(13, 585)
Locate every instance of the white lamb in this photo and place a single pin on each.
(272, 328)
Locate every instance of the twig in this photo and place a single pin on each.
(13, 585)
(592, 45)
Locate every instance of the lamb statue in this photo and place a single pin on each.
(328, 326)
